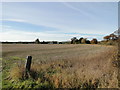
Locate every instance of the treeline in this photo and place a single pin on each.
(74, 40)
(37, 41)
(17, 42)
(82, 40)
(111, 37)
(109, 40)
(34, 42)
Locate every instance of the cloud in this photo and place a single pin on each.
(74, 7)
(58, 28)
(15, 20)
(59, 16)
(18, 35)
(5, 26)
(64, 19)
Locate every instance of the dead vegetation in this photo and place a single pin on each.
(66, 66)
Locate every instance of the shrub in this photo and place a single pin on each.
(111, 42)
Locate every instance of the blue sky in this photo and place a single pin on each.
(26, 21)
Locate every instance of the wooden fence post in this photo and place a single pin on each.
(28, 65)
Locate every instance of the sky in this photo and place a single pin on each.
(119, 14)
(57, 21)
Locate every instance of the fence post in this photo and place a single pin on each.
(28, 65)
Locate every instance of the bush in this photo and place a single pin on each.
(111, 42)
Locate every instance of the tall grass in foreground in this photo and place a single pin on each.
(50, 76)
(91, 69)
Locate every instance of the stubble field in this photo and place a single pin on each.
(60, 66)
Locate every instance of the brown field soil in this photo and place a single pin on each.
(78, 63)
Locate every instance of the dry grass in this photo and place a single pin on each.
(68, 66)
(17, 73)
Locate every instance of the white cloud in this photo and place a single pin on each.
(9, 34)
(60, 27)
(18, 35)
(77, 9)
(15, 20)
(47, 18)
(53, 19)
(5, 26)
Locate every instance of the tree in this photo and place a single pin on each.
(87, 42)
(76, 41)
(37, 41)
(73, 40)
(94, 41)
(113, 36)
(84, 40)
(107, 37)
(80, 39)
